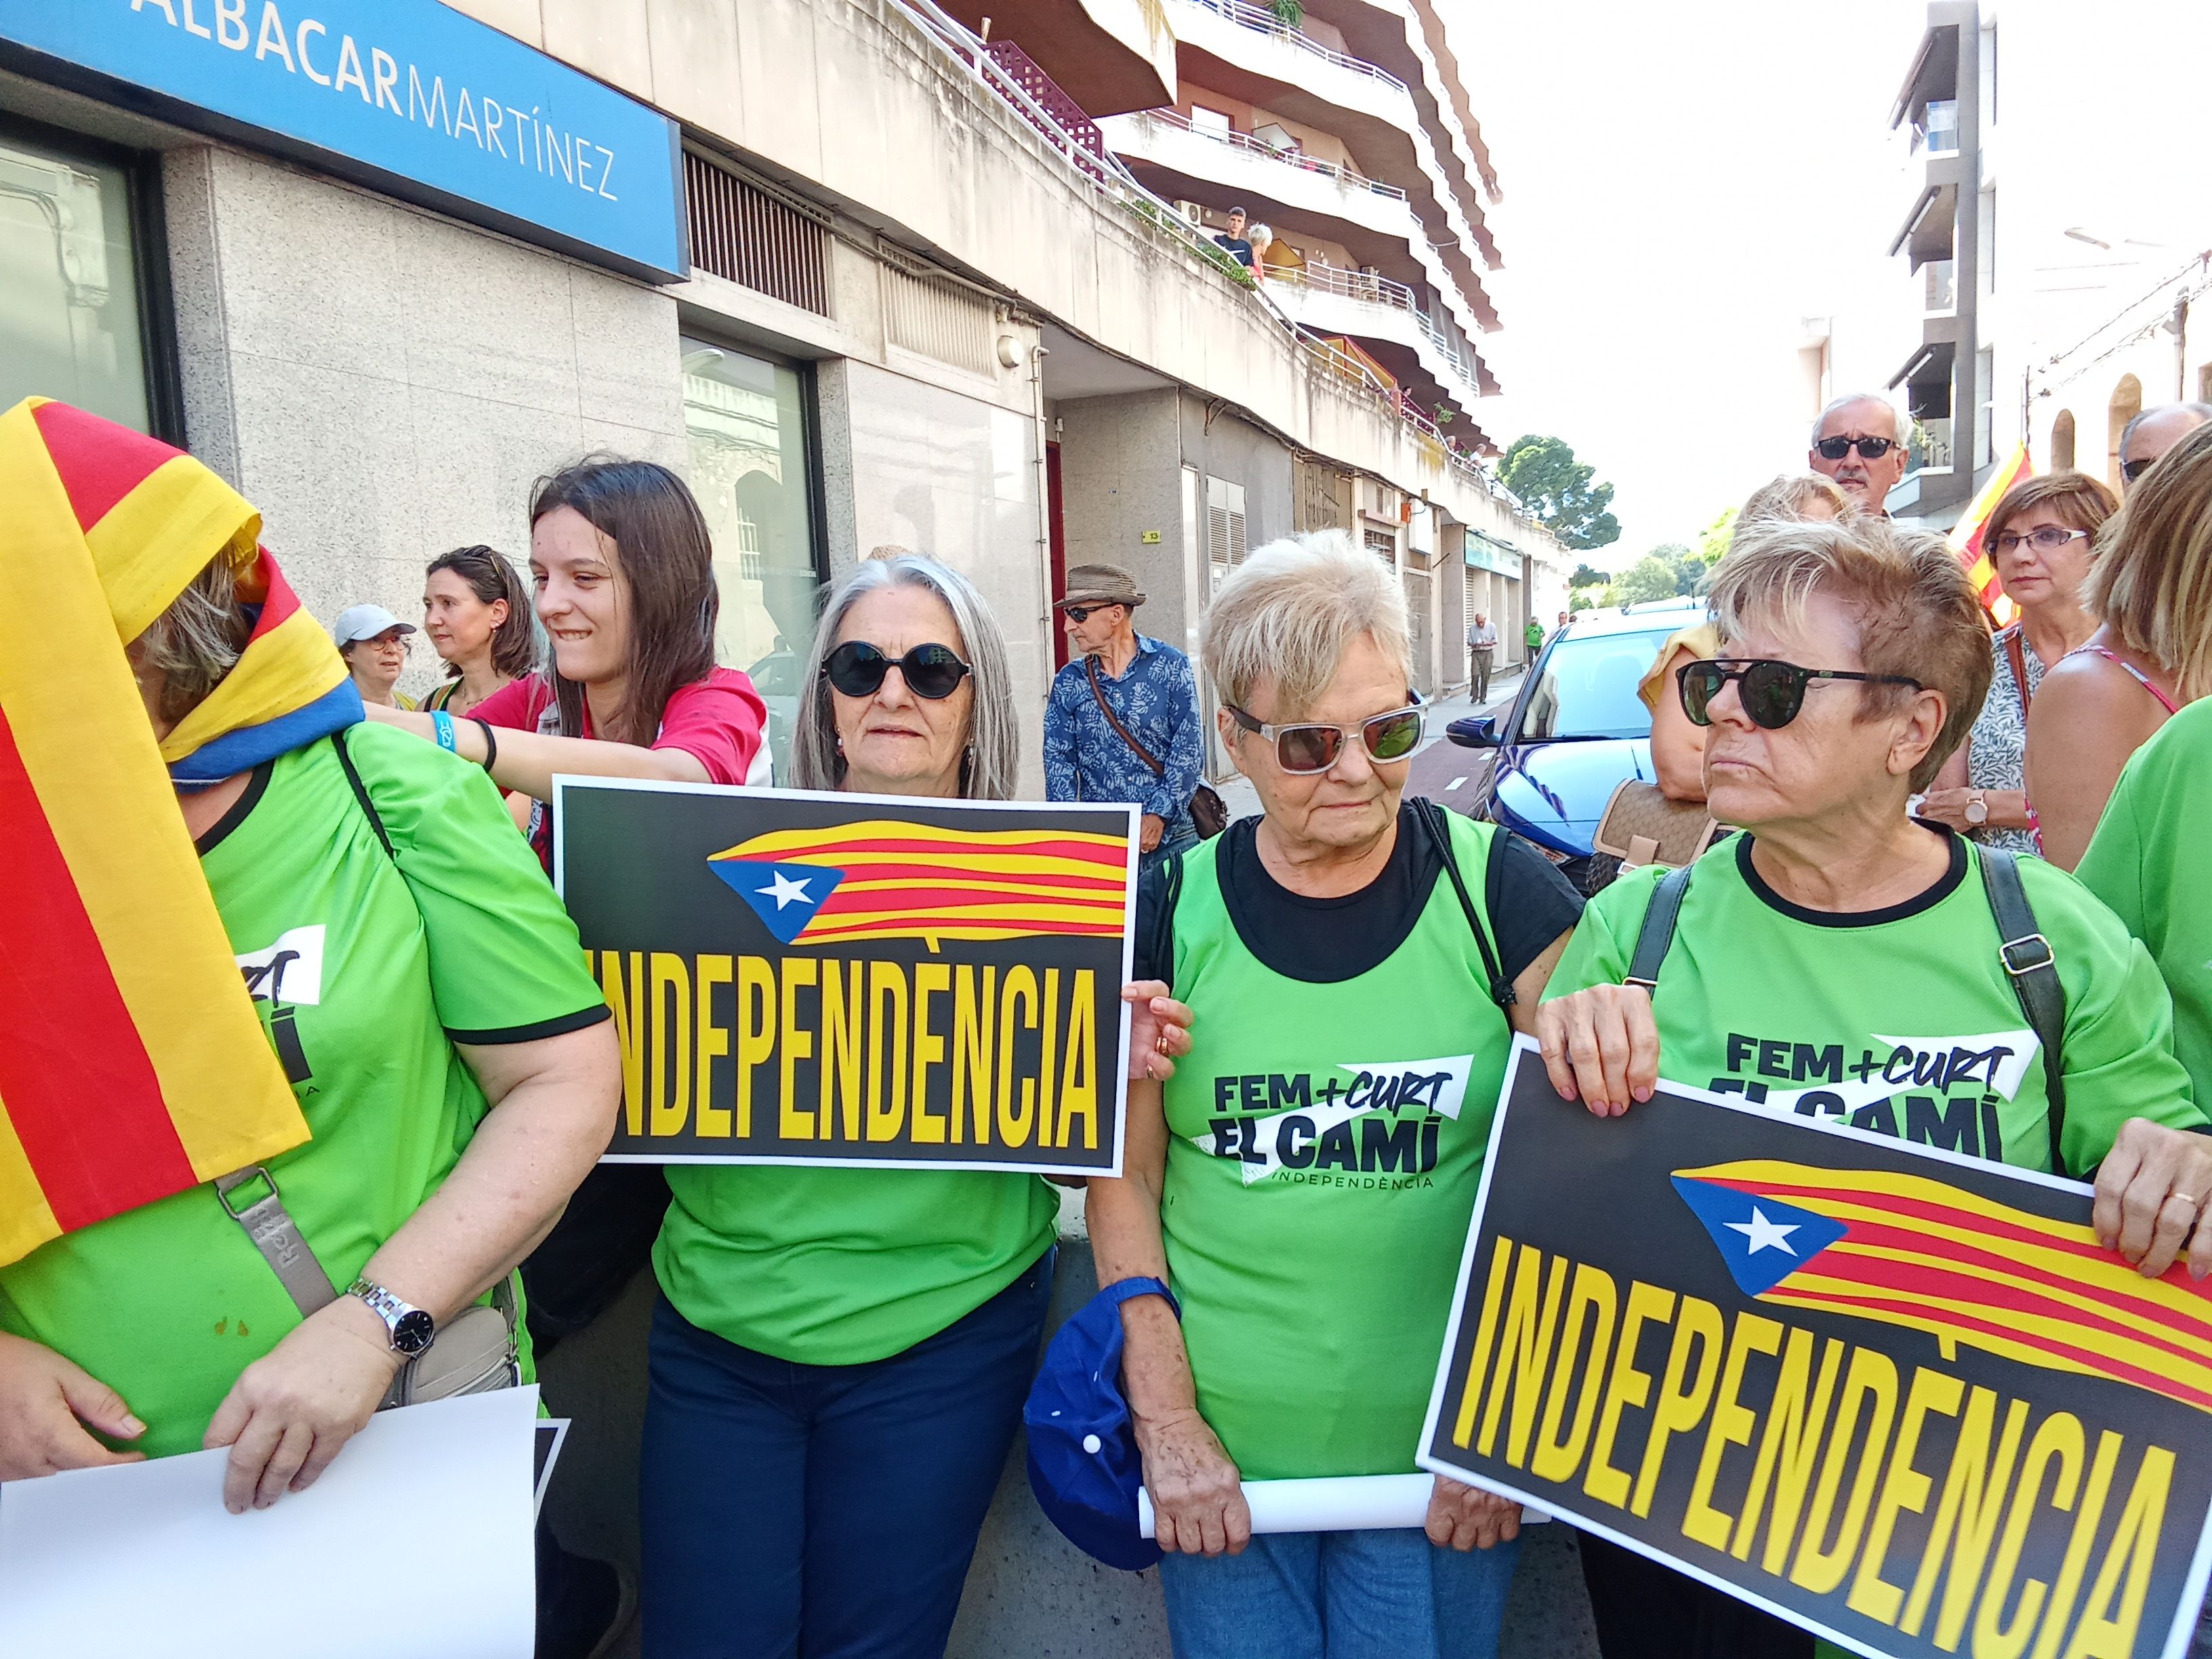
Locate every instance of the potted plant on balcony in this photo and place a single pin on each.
(1288, 13)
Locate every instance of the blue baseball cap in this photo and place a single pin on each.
(1084, 1466)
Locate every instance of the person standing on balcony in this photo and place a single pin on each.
(1239, 249)
(1861, 441)
(1121, 723)
(1481, 652)
(1261, 238)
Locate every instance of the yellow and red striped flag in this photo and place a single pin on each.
(1966, 535)
(1912, 1251)
(884, 879)
(132, 1064)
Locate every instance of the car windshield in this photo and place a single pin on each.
(1588, 687)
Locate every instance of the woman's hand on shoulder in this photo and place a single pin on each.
(1159, 1029)
(292, 1411)
(1198, 1500)
(1601, 1046)
(1464, 1517)
(46, 1404)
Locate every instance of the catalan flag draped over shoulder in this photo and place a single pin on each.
(1908, 1250)
(132, 1065)
(1967, 535)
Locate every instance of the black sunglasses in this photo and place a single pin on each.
(1870, 449)
(1082, 613)
(2130, 471)
(1772, 692)
(1302, 750)
(856, 669)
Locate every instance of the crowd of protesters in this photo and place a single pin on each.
(838, 1358)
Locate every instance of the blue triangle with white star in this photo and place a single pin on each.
(1762, 1241)
(785, 897)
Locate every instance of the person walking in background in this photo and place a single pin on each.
(2146, 439)
(1533, 637)
(1862, 441)
(475, 610)
(1121, 723)
(374, 643)
(2041, 537)
(2150, 588)
(1481, 653)
(839, 1356)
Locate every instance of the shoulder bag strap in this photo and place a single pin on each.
(361, 795)
(2034, 970)
(1432, 819)
(1090, 670)
(1163, 941)
(2019, 664)
(1656, 937)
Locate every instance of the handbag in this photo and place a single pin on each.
(1209, 813)
(1641, 825)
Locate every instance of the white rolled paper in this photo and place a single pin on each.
(1344, 1503)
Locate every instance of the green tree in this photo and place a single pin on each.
(1579, 602)
(1713, 541)
(1668, 571)
(1561, 492)
(1588, 576)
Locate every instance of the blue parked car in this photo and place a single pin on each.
(1575, 733)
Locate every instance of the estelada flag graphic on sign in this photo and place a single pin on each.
(884, 879)
(1965, 1269)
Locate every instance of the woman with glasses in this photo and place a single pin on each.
(2152, 591)
(839, 1356)
(2040, 537)
(1836, 944)
(1356, 966)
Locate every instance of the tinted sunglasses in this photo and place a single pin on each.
(1772, 692)
(2130, 471)
(1082, 613)
(931, 671)
(1870, 449)
(1302, 750)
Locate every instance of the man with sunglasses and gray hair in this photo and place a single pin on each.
(1861, 441)
(1121, 723)
(2146, 439)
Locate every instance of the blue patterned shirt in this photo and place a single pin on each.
(1157, 698)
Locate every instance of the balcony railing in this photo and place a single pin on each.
(1371, 288)
(1111, 179)
(1343, 175)
(1068, 114)
(1266, 22)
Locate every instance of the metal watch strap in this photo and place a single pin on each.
(270, 1225)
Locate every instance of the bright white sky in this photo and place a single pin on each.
(1684, 185)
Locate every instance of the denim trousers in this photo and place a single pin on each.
(795, 1512)
(1382, 1595)
(1180, 837)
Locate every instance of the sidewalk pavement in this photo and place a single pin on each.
(1238, 795)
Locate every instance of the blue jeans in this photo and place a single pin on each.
(794, 1511)
(1387, 1594)
(1180, 837)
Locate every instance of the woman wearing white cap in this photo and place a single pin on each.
(374, 643)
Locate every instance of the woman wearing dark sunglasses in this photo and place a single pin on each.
(839, 1356)
(1305, 1177)
(1836, 946)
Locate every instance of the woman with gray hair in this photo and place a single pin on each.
(839, 1356)
(1339, 953)
(1852, 659)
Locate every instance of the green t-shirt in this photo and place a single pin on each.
(1904, 1020)
(1534, 633)
(2147, 862)
(844, 1266)
(365, 981)
(1326, 1143)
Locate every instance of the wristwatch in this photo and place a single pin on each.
(412, 1329)
(1978, 810)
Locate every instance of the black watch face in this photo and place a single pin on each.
(413, 1331)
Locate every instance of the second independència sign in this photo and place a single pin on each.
(407, 95)
(854, 980)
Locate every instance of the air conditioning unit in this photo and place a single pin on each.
(1192, 211)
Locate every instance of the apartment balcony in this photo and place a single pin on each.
(1324, 300)
(1293, 193)
(1251, 54)
(1110, 56)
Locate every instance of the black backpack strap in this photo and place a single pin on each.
(1161, 947)
(1432, 819)
(1656, 937)
(2034, 970)
(361, 795)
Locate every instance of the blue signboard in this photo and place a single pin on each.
(1486, 552)
(407, 95)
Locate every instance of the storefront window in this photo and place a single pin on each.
(744, 420)
(70, 326)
